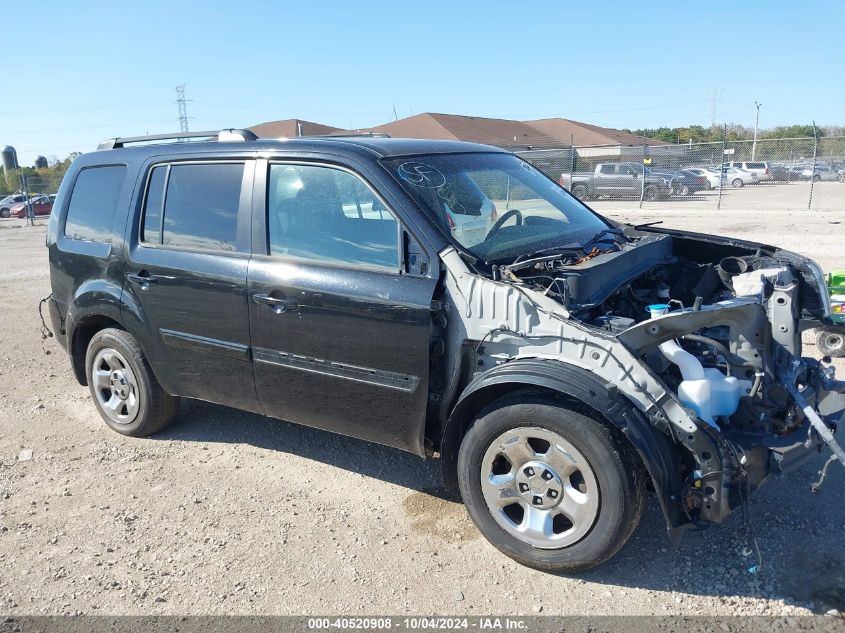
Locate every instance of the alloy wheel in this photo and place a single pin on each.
(115, 386)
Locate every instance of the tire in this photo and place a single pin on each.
(580, 191)
(127, 394)
(738, 182)
(4, 213)
(651, 193)
(816, 178)
(609, 480)
(831, 343)
(685, 191)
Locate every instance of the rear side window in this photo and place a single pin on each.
(755, 165)
(151, 227)
(193, 206)
(90, 214)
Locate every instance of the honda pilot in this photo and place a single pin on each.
(449, 300)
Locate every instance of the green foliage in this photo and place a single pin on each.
(45, 180)
(701, 134)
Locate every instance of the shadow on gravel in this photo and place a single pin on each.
(205, 422)
(799, 533)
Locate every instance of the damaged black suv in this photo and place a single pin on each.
(446, 299)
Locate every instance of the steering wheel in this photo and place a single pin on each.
(505, 217)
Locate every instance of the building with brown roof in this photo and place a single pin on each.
(290, 128)
(541, 133)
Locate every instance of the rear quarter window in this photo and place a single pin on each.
(93, 202)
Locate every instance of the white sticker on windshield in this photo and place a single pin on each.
(421, 175)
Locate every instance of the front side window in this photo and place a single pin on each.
(516, 211)
(327, 214)
(93, 203)
(198, 209)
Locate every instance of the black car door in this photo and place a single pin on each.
(340, 325)
(186, 275)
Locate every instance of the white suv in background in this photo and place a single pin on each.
(760, 168)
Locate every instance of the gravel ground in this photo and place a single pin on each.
(231, 513)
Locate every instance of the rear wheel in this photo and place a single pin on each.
(4, 213)
(579, 191)
(831, 343)
(738, 182)
(816, 178)
(549, 486)
(684, 191)
(651, 193)
(125, 390)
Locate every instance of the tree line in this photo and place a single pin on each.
(735, 132)
(41, 180)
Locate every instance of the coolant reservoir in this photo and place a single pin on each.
(707, 391)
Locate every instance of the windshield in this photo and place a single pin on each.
(495, 206)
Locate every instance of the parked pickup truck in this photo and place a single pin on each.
(618, 180)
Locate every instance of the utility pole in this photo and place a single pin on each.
(756, 124)
(713, 97)
(183, 108)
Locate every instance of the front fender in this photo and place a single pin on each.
(656, 449)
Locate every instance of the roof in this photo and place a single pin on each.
(475, 129)
(509, 133)
(566, 131)
(291, 128)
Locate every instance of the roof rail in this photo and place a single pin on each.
(224, 136)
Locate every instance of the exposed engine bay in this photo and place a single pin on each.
(715, 323)
(623, 283)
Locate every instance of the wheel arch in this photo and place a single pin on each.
(654, 449)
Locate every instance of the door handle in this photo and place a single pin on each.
(143, 278)
(280, 306)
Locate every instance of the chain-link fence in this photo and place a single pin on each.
(791, 173)
(30, 200)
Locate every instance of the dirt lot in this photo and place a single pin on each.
(228, 512)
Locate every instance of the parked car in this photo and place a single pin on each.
(710, 175)
(730, 176)
(685, 182)
(821, 171)
(736, 177)
(761, 169)
(618, 180)
(41, 205)
(780, 172)
(317, 280)
(7, 203)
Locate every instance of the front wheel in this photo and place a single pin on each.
(684, 191)
(125, 390)
(830, 343)
(651, 193)
(817, 178)
(549, 486)
(738, 182)
(4, 213)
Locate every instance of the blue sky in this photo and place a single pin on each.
(100, 69)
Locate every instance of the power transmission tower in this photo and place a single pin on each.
(183, 107)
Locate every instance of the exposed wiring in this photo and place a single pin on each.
(745, 503)
(46, 332)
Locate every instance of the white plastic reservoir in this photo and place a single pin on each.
(707, 391)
